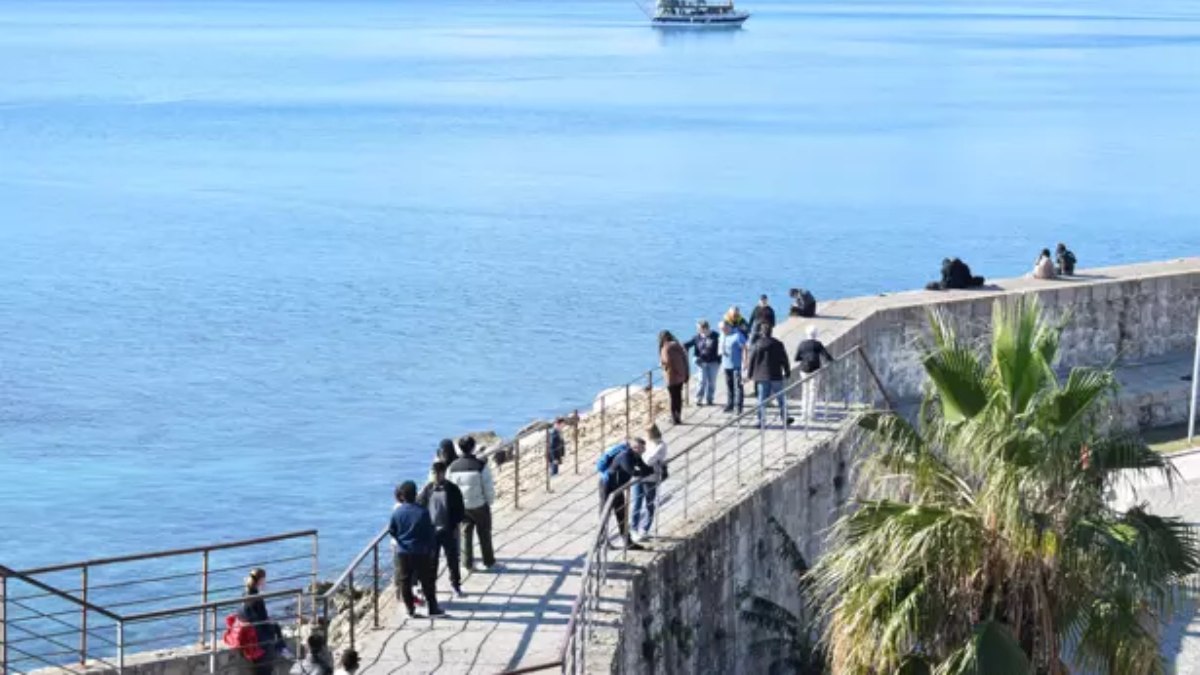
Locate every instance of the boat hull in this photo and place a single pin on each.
(700, 21)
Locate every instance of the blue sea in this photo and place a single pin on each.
(257, 257)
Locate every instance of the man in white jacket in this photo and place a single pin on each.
(473, 477)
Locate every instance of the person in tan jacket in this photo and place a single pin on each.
(674, 362)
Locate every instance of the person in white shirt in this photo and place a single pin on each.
(645, 493)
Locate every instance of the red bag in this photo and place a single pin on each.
(241, 635)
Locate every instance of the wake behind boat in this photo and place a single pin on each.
(696, 13)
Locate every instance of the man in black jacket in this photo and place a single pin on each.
(445, 503)
(625, 467)
(767, 366)
(763, 314)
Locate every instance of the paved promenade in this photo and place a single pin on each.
(518, 616)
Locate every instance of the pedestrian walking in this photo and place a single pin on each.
(732, 348)
(809, 356)
(673, 358)
(617, 466)
(556, 449)
(412, 530)
(706, 353)
(473, 477)
(444, 501)
(763, 313)
(767, 366)
(645, 493)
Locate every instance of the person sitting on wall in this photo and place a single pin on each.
(1043, 268)
(803, 303)
(955, 275)
(1064, 260)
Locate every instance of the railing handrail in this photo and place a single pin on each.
(62, 595)
(242, 543)
(601, 539)
(214, 604)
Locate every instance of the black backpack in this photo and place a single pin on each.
(804, 304)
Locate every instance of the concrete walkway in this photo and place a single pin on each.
(517, 617)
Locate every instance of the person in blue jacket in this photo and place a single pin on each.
(412, 530)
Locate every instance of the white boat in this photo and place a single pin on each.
(696, 13)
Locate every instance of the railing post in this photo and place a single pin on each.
(546, 458)
(516, 450)
(316, 573)
(687, 481)
(212, 647)
(120, 647)
(603, 420)
(3, 624)
(375, 584)
(712, 470)
(627, 404)
(762, 447)
(350, 602)
(204, 598)
(649, 398)
(83, 616)
(575, 433)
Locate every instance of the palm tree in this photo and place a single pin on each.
(787, 636)
(983, 542)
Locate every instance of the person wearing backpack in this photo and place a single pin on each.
(267, 636)
(619, 465)
(645, 493)
(445, 503)
(705, 348)
(808, 360)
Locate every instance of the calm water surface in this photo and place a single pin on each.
(257, 257)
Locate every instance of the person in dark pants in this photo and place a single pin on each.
(266, 632)
(445, 503)
(732, 348)
(412, 530)
(956, 274)
(674, 362)
(1064, 260)
(767, 366)
(763, 313)
(626, 465)
(473, 477)
(556, 448)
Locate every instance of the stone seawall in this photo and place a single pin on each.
(682, 610)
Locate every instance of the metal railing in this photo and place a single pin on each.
(840, 390)
(353, 601)
(96, 611)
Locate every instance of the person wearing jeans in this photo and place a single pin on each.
(673, 358)
(705, 348)
(767, 366)
(732, 347)
(645, 493)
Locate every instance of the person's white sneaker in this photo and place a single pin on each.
(638, 537)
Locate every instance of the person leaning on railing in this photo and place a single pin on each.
(619, 465)
(645, 493)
